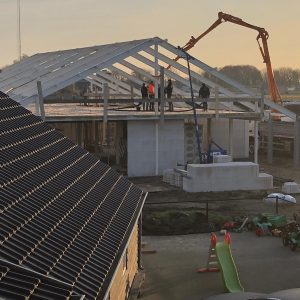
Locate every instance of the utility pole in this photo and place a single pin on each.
(19, 29)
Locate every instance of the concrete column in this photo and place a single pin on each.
(231, 137)
(256, 142)
(270, 140)
(41, 107)
(297, 143)
(105, 113)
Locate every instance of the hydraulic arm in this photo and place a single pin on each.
(261, 38)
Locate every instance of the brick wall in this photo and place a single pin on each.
(124, 277)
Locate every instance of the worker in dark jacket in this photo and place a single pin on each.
(168, 91)
(204, 93)
(144, 92)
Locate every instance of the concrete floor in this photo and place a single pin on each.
(264, 266)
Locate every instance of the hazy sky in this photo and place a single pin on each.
(62, 24)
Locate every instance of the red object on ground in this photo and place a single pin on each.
(213, 239)
(229, 225)
(227, 238)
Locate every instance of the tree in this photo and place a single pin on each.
(245, 74)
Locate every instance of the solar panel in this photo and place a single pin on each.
(64, 214)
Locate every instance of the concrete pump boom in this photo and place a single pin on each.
(263, 47)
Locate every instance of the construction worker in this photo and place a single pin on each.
(168, 91)
(204, 93)
(144, 92)
(151, 91)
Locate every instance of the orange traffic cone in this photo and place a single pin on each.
(212, 261)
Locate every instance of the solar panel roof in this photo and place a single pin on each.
(64, 214)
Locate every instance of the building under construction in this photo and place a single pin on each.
(105, 120)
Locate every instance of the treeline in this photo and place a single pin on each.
(287, 79)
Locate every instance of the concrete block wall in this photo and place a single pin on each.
(141, 146)
(220, 134)
(225, 177)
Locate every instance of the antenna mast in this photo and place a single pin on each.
(19, 30)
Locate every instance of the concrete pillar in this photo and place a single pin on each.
(297, 143)
(270, 141)
(231, 137)
(256, 142)
(41, 107)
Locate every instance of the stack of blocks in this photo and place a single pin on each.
(291, 188)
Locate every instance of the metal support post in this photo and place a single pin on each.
(156, 70)
(188, 57)
(162, 95)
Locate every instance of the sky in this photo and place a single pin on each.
(48, 25)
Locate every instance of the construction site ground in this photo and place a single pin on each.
(264, 264)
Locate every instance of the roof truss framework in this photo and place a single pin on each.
(60, 69)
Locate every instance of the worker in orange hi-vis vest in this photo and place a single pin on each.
(151, 92)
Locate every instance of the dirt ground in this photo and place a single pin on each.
(264, 264)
